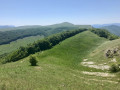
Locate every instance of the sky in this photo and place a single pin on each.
(47, 12)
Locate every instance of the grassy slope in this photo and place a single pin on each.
(58, 68)
(7, 48)
(98, 55)
(52, 29)
(72, 51)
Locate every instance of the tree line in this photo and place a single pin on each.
(51, 41)
(40, 45)
(104, 33)
(8, 36)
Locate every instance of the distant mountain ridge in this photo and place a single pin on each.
(12, 34)
(61, 24)
(6, 26)
(103, 25)
(64, 24)
(113, 29)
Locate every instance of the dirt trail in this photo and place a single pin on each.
(99, 74)
(93, 65)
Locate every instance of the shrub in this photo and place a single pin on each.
(33, 61)
(115, 68)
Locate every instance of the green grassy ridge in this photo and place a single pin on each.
(7, 48)
(54, 70)
(99, 32)
(40, 45)
(72, 51)
(12, 46)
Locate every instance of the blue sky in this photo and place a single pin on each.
(46, 12)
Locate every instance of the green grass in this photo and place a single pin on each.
(98, 55)
(72, 51)
(21, 76)
(58, 68)
(7, 48)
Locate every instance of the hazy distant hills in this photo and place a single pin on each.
(55, 28)
(11, 34)
(64, 24)
(113, 28)
(67, 24)
(6, 26)
(60, 25)
(103, 25)
(19, 28)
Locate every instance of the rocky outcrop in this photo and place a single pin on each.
(110, 53)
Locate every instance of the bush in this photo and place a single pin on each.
(115, 68)
(33, 61)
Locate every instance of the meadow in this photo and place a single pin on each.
(60, 68)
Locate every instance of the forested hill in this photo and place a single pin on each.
(64, 24)
(51, 41)
(8, 36)
(41, 45)
(26, 31)
(113, 29)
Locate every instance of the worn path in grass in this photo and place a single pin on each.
(59, 68)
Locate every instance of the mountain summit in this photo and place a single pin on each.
(64, 24)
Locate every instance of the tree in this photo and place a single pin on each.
(33, 61)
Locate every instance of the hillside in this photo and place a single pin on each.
(62, 67)
(7, 48)
(40, 45)
(67, 24)
(64, 24)
(71, 54)
(113, 29)
(99, 55)
(25, 31)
